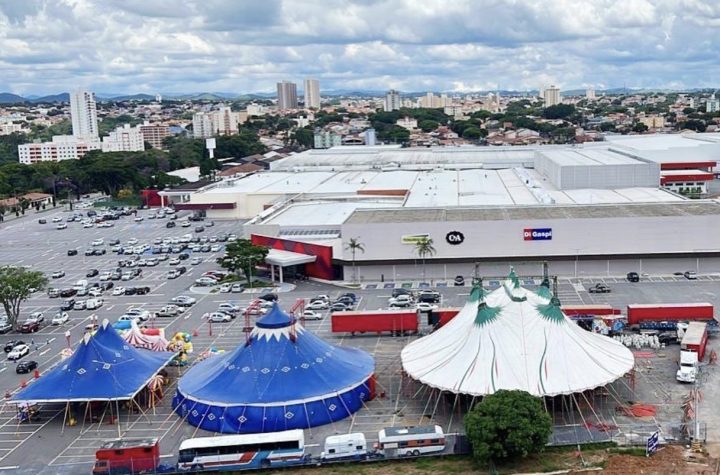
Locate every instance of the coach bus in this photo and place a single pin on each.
(242, 452)
(403, 441)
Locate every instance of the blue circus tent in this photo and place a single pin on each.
(103, 368)
(283, 378)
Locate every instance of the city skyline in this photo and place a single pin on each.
(149, 47)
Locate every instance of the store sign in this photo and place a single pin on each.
(538, 234)
(414, 238)
(454, 238)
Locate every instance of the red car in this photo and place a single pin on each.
(30, 326)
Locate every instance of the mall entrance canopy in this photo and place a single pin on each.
(281, 259)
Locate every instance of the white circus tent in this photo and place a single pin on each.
(514, 338)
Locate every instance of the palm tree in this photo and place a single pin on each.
(424, 248)
(353, 246)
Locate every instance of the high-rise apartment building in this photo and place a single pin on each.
(202, 125)
(712, 104)
(83, 114)
(287, 95)
(219, 122)
(590, 94)
(62, 147)
(312, 93)
(552, 96)
(154, 134)
(392, 101)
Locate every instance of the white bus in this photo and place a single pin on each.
(410, 440)
(244, 451)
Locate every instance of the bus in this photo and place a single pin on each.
(401, 441)
(243, 451)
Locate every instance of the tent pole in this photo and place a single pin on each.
(436, 405)
(452, 413)
(117, 419)
(307, 418)
(67, 407)
(87, 406)
(141, 411)
(102, 418)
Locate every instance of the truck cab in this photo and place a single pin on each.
(688, 370)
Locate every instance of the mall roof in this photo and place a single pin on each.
(640, 210)
(588, 157)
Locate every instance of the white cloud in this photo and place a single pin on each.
(246, 46)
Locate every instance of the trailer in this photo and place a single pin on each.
(129, 456)
(695, 339)
(638, 313)
(397, 322)
(597, 309)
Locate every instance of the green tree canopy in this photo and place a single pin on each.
(428, 125)
(242, 256)
(507, 425)
(16, 285)
(559, 111)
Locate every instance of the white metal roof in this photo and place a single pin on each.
(516, 340)
(287, 258)
(588, 157)
(327, 213)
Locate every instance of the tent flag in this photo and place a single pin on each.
(103, 368)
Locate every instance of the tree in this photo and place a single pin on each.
(424, 248)
(472, 133)
(559, 111)
(16, 284)
(242, 256)
(353, 246)
(507, 425)
(305, 137)
(428, 125)
(639, 127)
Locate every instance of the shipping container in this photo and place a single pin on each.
(695, 339)
(377, 321)
(127, 456)
(637, 313)
(598, 309)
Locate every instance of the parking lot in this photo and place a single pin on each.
(45, 446)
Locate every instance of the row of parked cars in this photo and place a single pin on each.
(344, 302)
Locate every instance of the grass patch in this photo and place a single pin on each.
(133, 201)
(634, 451)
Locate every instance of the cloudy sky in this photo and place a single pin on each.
(128, 46)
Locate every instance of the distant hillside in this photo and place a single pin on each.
(62, 97)
(9, 98)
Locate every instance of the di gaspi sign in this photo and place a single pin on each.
(414, 238)
(537, 234)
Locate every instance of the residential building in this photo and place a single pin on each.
(312, 93)
(124, 139)
(653, 121)
(370, 139)
(712, 104)
(392, 101)
(256, 109)
(10, 128)
(155, 134)
(590, 94)
(224, 121)
(83, 113)
(551, 96)
(327, 139)
(287, 95)
(407, 123)
(62, 147)
(202, 125)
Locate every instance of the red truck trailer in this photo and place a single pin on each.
(127, 456)
(637, 313)
(695, 339)
(597, 309)
(377, 321)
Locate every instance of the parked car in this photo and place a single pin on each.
(183, 301)
(93, 304)
(92, 273)
(318, 305)
(196, 260)
(69, 304)
(37, 316)
(60, 318)
(237, 288)
(72, 252)
(339, 307)
(18, 352)
(402, 301)
(425, 307)
(42, 221)
(311, 315)
(12, 344)
(429, 296)
(599, 288)
(58, 274)
(142, 290)
(25, 367)
(269, 297)
(29, 326)
(218, 317)
(228, 307)
(53, 293)
(225, 288)
(204, 281)
(5, 326)
(67, 292)
(61, 226)
(633, 277)
(401, 291)
(79, 305)
(199, 229)
(690, 275)
(106, 285)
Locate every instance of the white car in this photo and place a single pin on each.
(58, 274)
(36, 317)
(57, 219)
(138, 219)
(318, 305)
(196, 260)
(86, 225)
(215, 248)
(228, 307)
(183, 300)
(174, 261)
(98, 242)
(186, 224)
(225, 288)
(61, 226)
(218, 317)
(237, 288)
(60, 318)
(143, 315)
(425, 307)
(18, 352)
(152, 216)
(132, 241)
(310, 315)
(205, 281)
(105, 276)
(105, 224)
(95, 292)
(93, 304)
(118, 291)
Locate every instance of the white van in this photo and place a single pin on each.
(93, 304)
(345, 446)
(81, 284)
